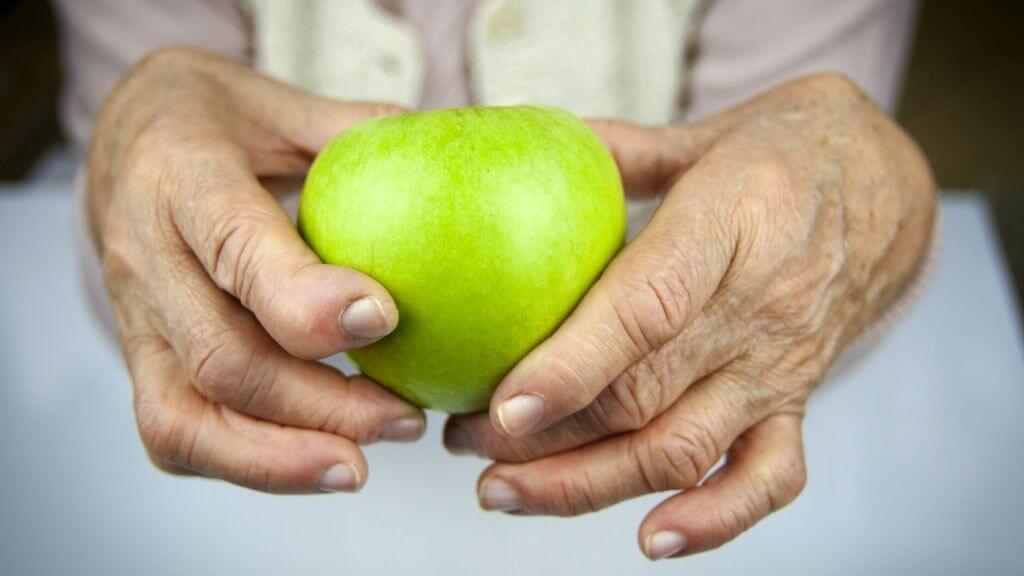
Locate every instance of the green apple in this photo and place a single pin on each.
(486, 224)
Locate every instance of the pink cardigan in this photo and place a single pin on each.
(742, 47)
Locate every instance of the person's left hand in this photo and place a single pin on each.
(788, 224)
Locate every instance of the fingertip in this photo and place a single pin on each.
(346, 471)
(407, 429)
(326, 118)
(520, 415)
(368, 319)
(356, 112)
(341, 477)
(279, 459)
(366, 311)
(325, 309)
(499, 495)
(663, 544)
(362, 410)
(764, 474)
(458, 440)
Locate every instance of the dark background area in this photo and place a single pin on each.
(962, 101)
(30, 78)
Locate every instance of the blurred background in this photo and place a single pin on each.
(963, 100)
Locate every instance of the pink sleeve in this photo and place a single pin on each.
(103, 38)
(747, 46)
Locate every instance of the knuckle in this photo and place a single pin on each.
(657, 301)
(731, 521)
(119, 264)
(229, 370)
(632, 400)
(769, 174)
(771, 204)
(219, 365)
(148, 151)
(256, 473)
(774, 217)
(162, 432)
(233, 251)
(574, 494)
(173, 57)
(569, 380)
(832, 86)
(154, 425)
(680, 458)
(353, 420)
(667, 287)
(766, 492)
(786, 483)
(657, 295)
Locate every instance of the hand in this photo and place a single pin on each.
(788, 224)
(220, 306)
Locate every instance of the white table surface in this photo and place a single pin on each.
(914, 457)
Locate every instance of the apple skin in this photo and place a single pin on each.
(486, 224)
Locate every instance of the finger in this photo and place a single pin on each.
(251, 249)
(765, 472)
(608, 415)
(650, 158)
(656, 286)
(295, 117)
(281, 127)
(630, 402)
(293, 126)
(168, 468)
(673, 452)
(183, 431)
(230, 360)
(634, 398)
(319, 119)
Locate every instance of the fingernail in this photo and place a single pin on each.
(339, 478)
(365, 319)
(458, 441)
(663, 544)
(496, 494)
(405, 429)
(521, 414)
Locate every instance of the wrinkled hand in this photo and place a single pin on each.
(788, 224)
(221, 308)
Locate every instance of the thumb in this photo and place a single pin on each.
(251, 249)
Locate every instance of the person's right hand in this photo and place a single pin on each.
(221, 308)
